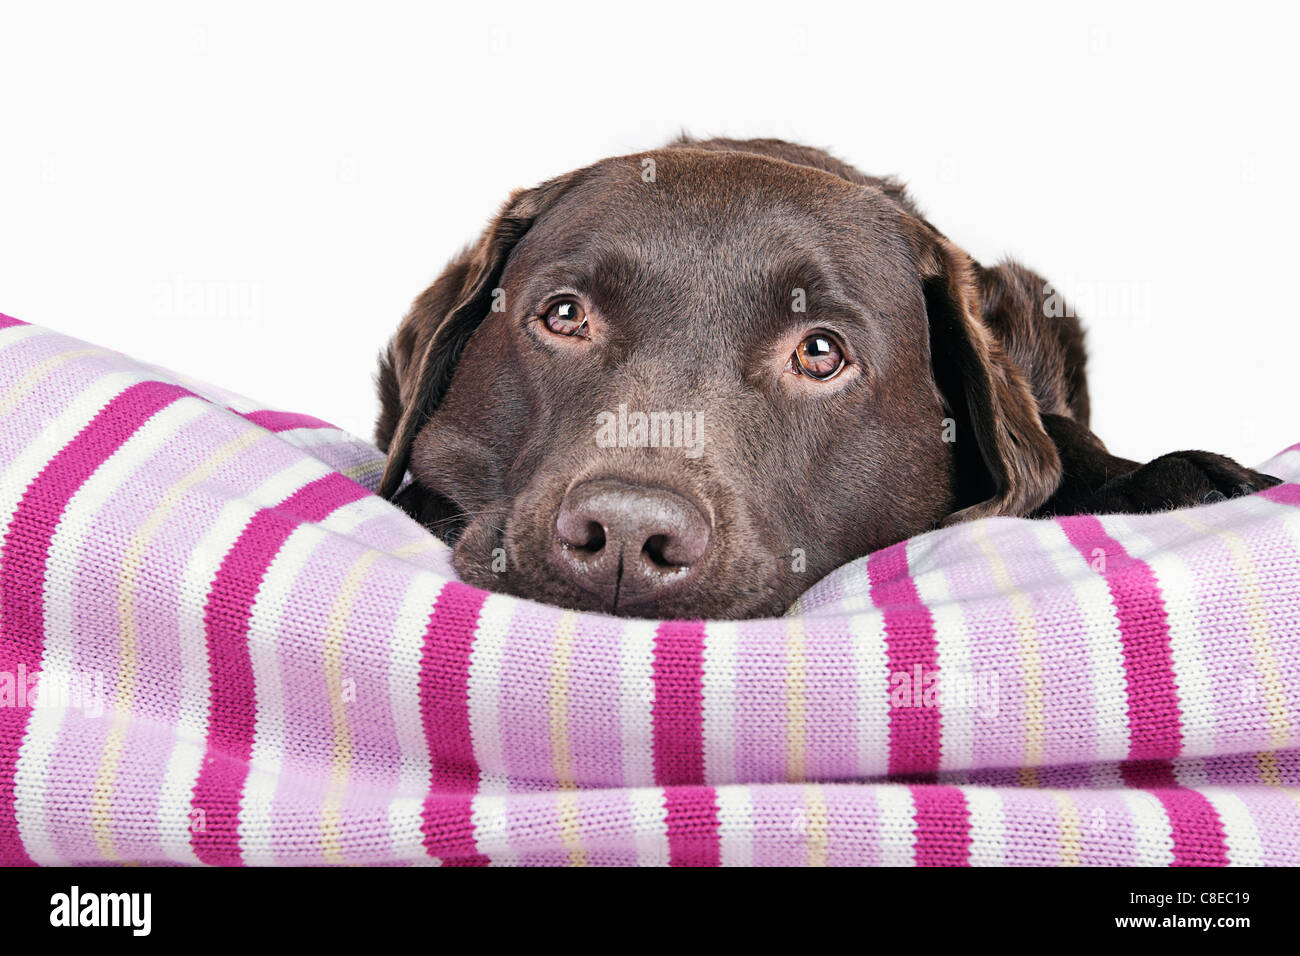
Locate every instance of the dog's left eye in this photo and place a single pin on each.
(565, 317)
(818, 356)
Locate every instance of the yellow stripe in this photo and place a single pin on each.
(1071, 831)
(819, 827)
(20, 389)
(1031, 659)
(132, 563)
(1265, 663)
(357, 472)
(341, 765)
(1269, 772)
(562, 755)
(570, 829)
(419, 546)
(101, 795)
(796, 700)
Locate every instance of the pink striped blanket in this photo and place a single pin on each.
(217, 646)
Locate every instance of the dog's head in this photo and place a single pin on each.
(690, 382)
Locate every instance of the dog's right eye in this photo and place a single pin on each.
(819, 357)
(565, 317)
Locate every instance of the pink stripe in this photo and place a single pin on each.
(692, 819)
(1154, 716)
(942, 826)
(6, 321)
(678, 709)
(158, 611)
(274, 421)
(1148, 774)
(1070, 719)
(233, 703)
(1288, 494)
(444, 708)
(915, 732)
(1197, 830)
(449, 829)
(22, 567)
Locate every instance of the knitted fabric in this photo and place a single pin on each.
(218, 646)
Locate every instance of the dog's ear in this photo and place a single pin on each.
(1011, 467)
(416, 369)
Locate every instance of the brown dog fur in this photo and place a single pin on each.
(689, 276)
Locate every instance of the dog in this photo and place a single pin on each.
(687, 383)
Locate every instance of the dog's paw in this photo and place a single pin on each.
(1179, 480)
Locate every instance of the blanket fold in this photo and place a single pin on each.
(218, 646)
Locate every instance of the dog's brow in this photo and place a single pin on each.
(806, 288)
(553, 279)
(601, 275)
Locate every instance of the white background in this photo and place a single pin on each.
(252, 195)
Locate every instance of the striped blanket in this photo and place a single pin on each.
(217, 646)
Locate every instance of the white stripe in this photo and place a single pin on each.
(54, 437)
(346, 519)
(735, 826)
(897, 824)
(1153, 840)
(719, 709)
(1250, 513)
(490, 820)
(954, 657)
(988, 836)
(1105, 776)
(650, 826)
(19, 333)
(1285, 465)
(192, 721)
(854, 584)
(309, 437)
(405, 648)
(1261, 510)
(1179, 589)
(1245, 847)
(256, 830)
(1104, 648)
(60, 656)
(22, 470)
(636, 696)
(485, 664)
(871, 662)
(406, 831)
(34, 762)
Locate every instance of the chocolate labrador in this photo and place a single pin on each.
(692, 381)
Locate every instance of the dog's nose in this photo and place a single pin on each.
(629, 544)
